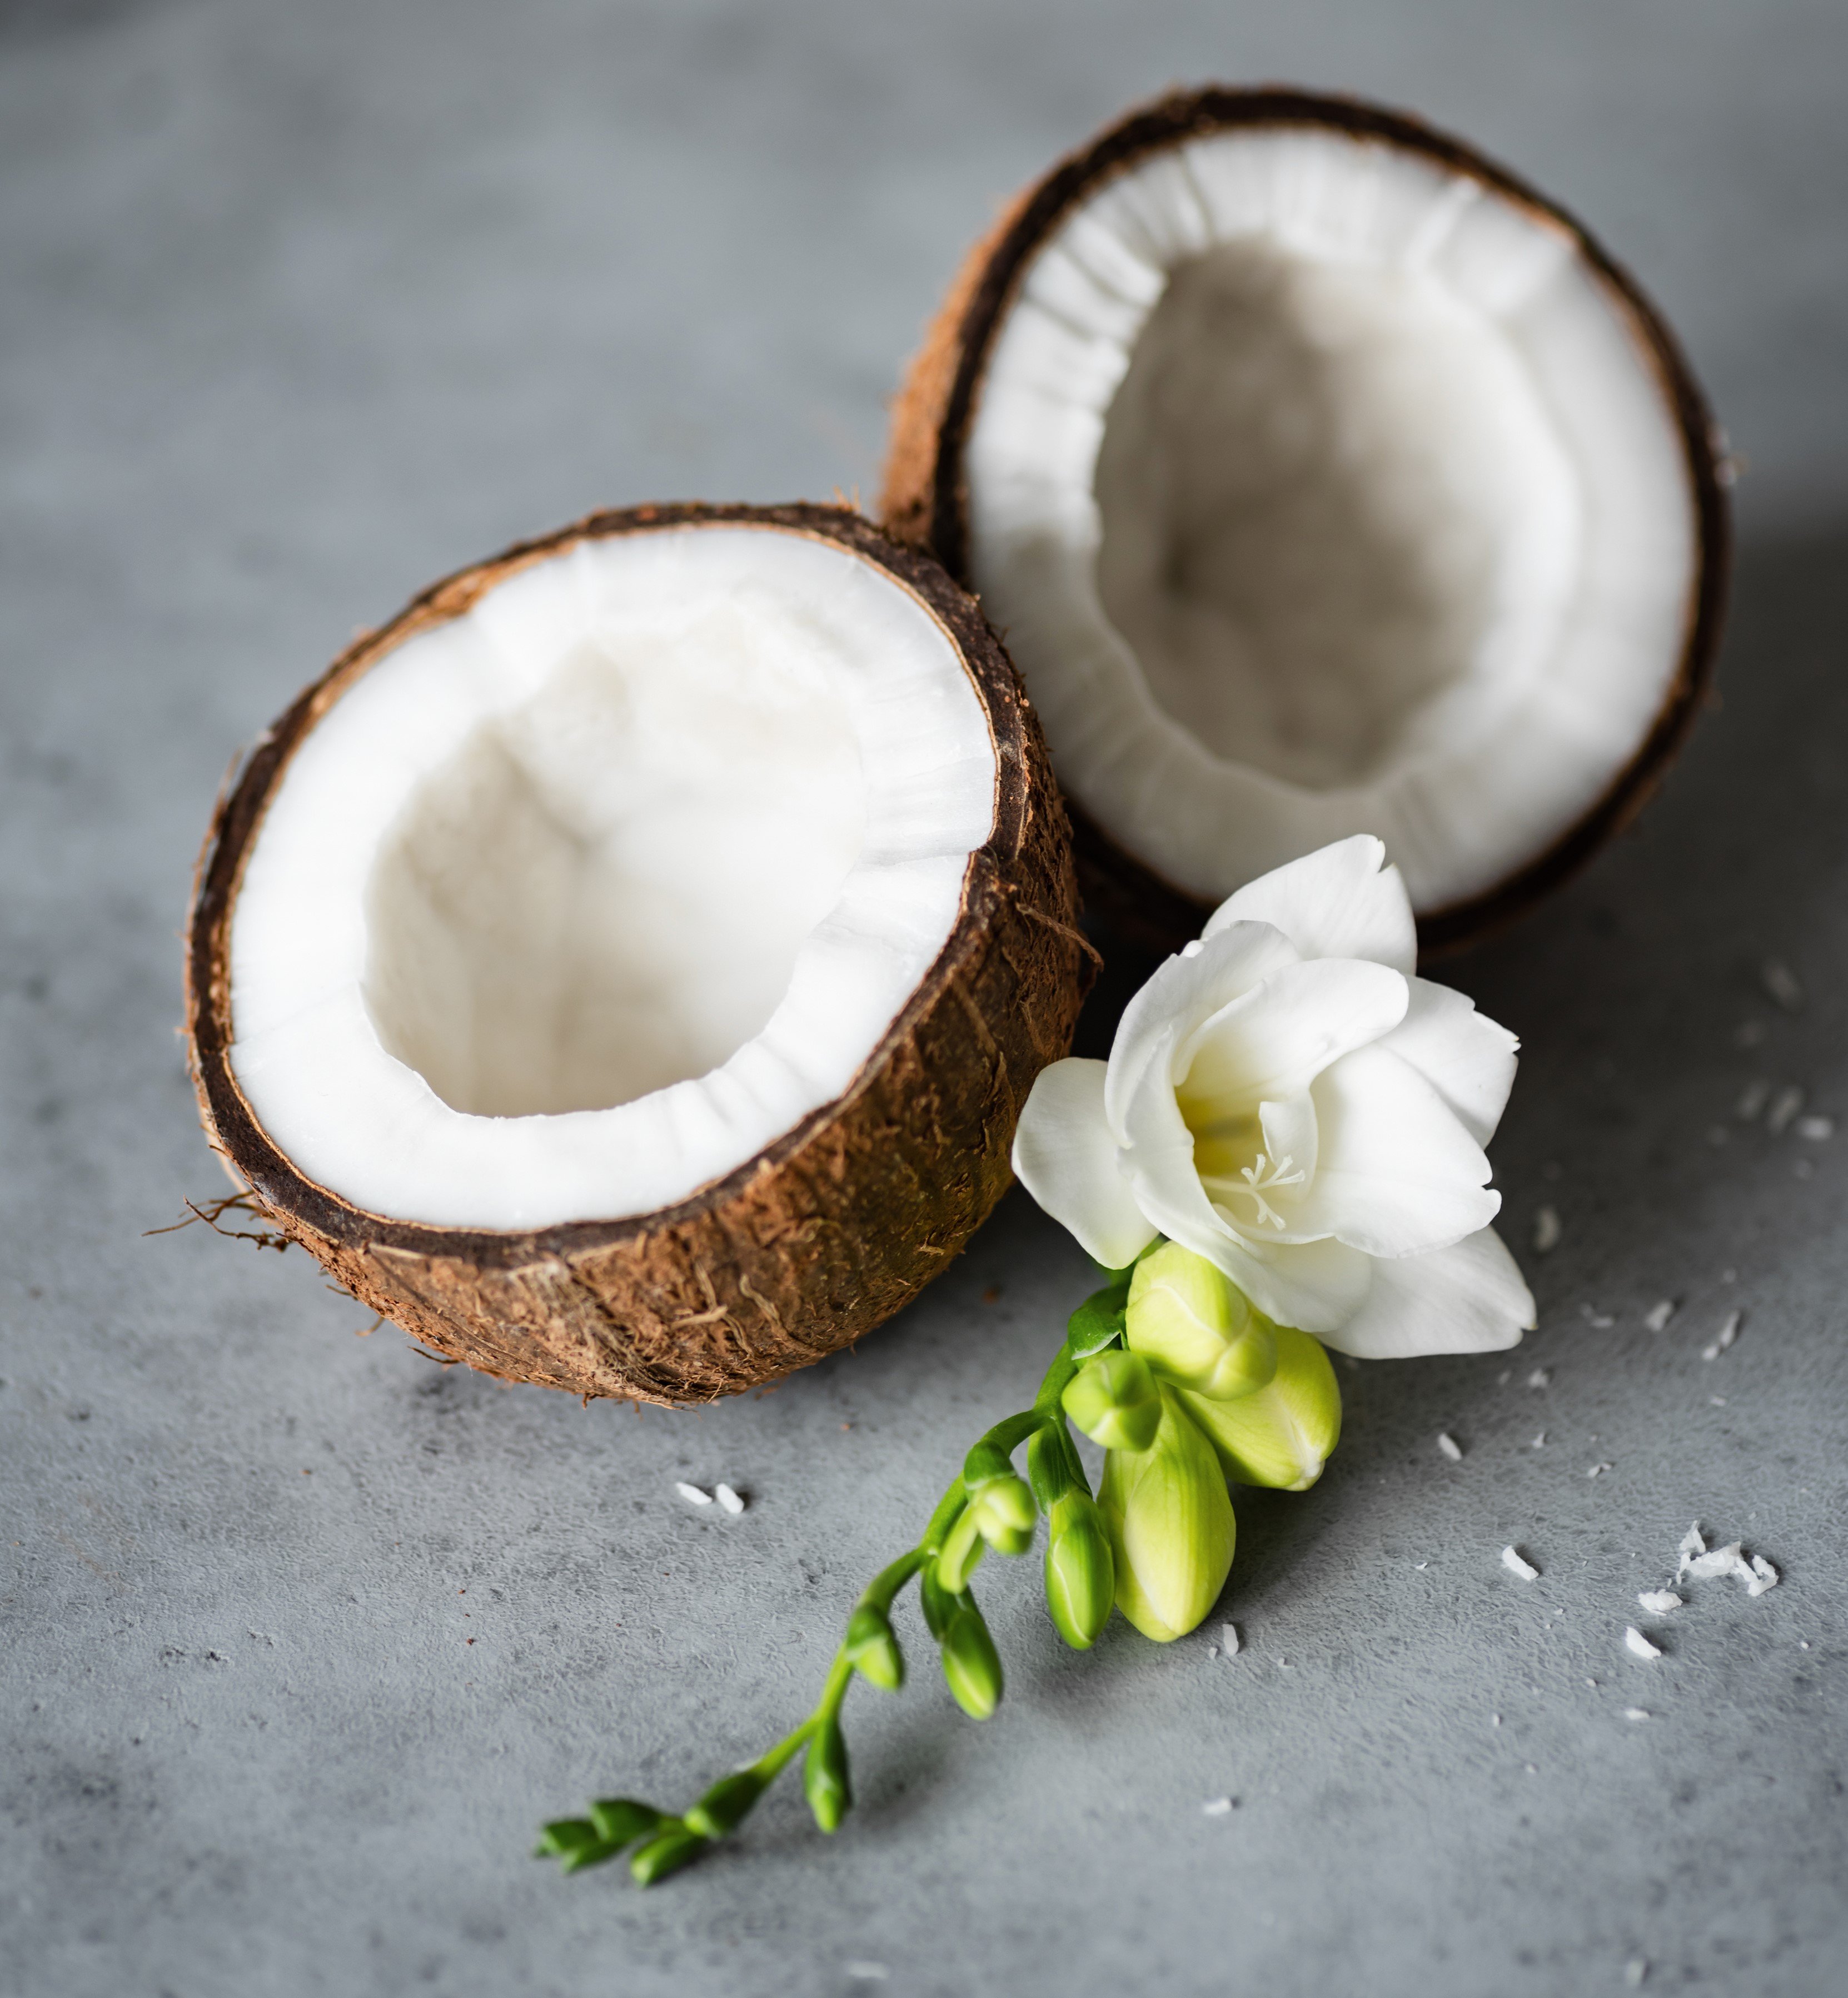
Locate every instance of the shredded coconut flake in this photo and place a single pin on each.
(1781, 983)
(1516, 1564)
(1228, 1639)
(1637, 1645)
(1752, 1100)
(1657, 1318)
(1817, 1130)
(1598, 1321)
(1597, 1470)
(1546, 1231)
(1723, 1560)
(692, 1494)
(1636, 1714)
(1450, 1446)
(1540, 1377)
(1217, 1806)
(1723, 1337)
(1659, 1602)
(868, 1973)
(1762, 1576)
(1784, 1106)
(1635, 1971)
(1539, 1442)
(728, 1499)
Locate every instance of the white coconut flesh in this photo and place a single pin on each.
(1320, 488)
(576, 903)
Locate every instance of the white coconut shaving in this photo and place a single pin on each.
(574, 904)
(1228, 1639)
(1659, 1601)
(1636, 1714)
(1752, 1100)
(1781, 983)
(1763, 1576)
(1694, 1543)
(1721, 1561)
(1546, 1231)
(1216, 1807)
(729, 1500)
(1516, 1562)
(1450, 1446)
(1657, 1318)
(1815, 1130)
(1637, 1645)
(1597, 1470)
(1728, 1331)
(692, 1494)
(1784, 1106)
(1539, 1377)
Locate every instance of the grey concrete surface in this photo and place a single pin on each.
(301, 307)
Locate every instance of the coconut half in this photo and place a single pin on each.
(1323, 478)
(624, 970)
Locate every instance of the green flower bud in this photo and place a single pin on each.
(824, 1781)
(971, 1666)
(666, 1853)
(963, 1547)
(1171, 1527)
(1282, 1435)
(619, 1820)
(1004, 1514)
(1081, 1570)
(1191, 1322)
(872, 1648)
(1114, 1399)
(727, 1805)
(1052, 1466)
(575, 1842)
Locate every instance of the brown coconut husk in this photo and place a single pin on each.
(802, 1248)
(926, 495)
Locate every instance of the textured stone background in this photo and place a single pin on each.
(301, 306)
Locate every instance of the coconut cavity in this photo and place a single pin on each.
(1322, 488)
(576, 902)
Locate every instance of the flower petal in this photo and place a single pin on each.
(1467, 1298)
(1272, 1043)
(1313, 1286)
(1183, 992)
(1466, 1056)
(1398, 1174)
(1066, 1156)
(1339, 902)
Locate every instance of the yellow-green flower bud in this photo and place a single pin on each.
(872, 1650)
(1194, 1324)
(1081, 1575)
(1282, 1435)
(971, 1666)
(1171, 1526)
(824, 1779)
(963, 1547)
(727, 1805)
(1004, 1514)
(1114, 1399)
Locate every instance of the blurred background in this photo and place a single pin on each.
(302, 307)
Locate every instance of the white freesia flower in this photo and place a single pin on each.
(1287, 1100)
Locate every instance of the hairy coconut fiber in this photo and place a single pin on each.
(926, 497)
(802, 1249)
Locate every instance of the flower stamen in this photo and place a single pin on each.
(1264, 1177)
